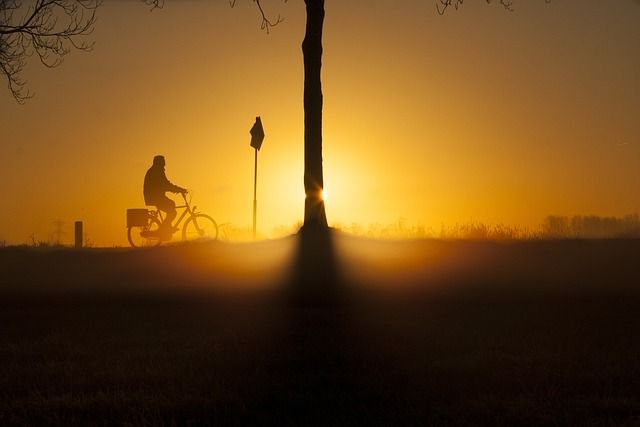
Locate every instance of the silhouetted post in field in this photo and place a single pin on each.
(78, 234)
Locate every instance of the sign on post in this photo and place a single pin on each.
(257, 136)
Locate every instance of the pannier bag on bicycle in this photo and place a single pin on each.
(137, 217)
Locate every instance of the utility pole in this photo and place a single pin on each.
(58, 233)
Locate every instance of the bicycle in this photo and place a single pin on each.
(144, 226)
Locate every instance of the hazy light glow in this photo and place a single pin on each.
(239, 266)
(378, 263)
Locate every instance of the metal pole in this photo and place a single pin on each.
(78, 234)
(255, 192)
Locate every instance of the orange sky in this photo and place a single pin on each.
(480, 115)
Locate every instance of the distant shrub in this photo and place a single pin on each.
(232, 232)
(284, 230)
(39, 243)
(556, 227)
(396, 230)
(480, 231)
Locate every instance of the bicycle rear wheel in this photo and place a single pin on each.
(145, 236)
(200, 226)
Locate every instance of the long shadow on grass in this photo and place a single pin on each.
(315, 377)
(315, 278)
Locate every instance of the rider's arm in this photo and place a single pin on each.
(169, 186)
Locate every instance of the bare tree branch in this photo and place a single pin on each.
(443, 5)
(267, 23)
(47, 28)
(155, 4)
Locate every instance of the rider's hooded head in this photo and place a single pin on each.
(158, 161)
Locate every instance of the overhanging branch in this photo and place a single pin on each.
(47, 28)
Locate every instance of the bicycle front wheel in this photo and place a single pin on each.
(146, 236)
(200, 226)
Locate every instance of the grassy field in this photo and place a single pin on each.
(339, 330)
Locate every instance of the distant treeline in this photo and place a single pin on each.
(592, 227)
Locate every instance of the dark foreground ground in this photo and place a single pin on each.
(420, 333)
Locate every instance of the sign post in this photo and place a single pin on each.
(257, 136)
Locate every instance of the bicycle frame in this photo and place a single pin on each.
(188, 211)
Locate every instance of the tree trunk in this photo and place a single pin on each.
(314, 212)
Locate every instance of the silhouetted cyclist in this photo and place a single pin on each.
(155, 185)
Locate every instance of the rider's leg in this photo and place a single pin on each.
(168, 206)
